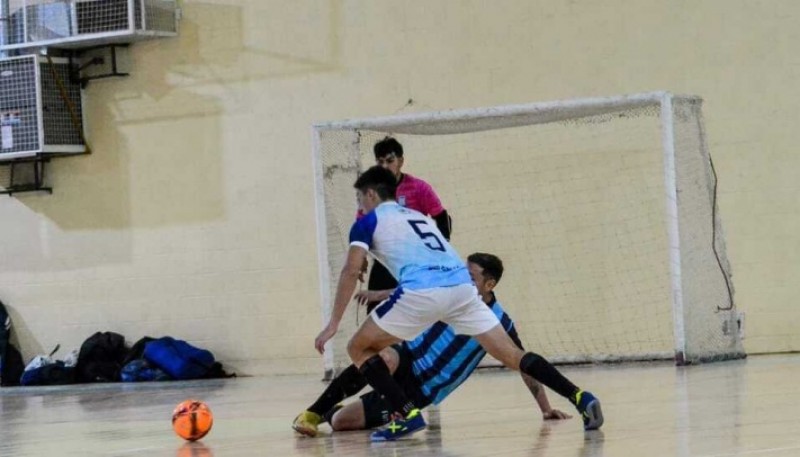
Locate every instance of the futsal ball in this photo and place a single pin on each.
(192, 420)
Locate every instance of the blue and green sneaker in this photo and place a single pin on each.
(399, 428)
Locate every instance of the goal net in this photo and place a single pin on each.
(602, 210)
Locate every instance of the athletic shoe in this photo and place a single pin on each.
(589, 407)
(401, 427)
(306, 423)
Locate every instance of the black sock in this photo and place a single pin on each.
(348, 383)
(543, 371)
(328, 417)
(377, 374)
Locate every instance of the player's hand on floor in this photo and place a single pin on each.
(555, 414)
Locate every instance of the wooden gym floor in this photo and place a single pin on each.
(739, 408)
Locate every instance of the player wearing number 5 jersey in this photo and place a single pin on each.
(434, 285)
(410, 246)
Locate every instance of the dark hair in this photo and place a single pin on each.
(387, 146)
(378, 179)
(491, 264)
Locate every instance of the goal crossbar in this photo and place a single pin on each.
(464, 120)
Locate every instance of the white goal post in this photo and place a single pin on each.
(603, 211)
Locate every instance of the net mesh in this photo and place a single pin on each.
(575, 207)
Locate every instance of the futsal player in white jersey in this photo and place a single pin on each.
(433, 285)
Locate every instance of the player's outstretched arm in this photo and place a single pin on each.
(348, 280)
(536, 388)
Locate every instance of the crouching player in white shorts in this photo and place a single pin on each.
(433, 285)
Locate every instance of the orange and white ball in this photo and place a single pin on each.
(192, 420)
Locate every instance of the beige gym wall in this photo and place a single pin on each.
(194, 216)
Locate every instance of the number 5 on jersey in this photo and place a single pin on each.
(433, 241)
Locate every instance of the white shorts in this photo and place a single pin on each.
(407, 313)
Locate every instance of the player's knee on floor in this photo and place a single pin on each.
(339, 424)
(342, 421)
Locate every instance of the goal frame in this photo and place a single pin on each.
(450, 122)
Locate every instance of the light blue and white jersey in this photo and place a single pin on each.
(410, 246)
